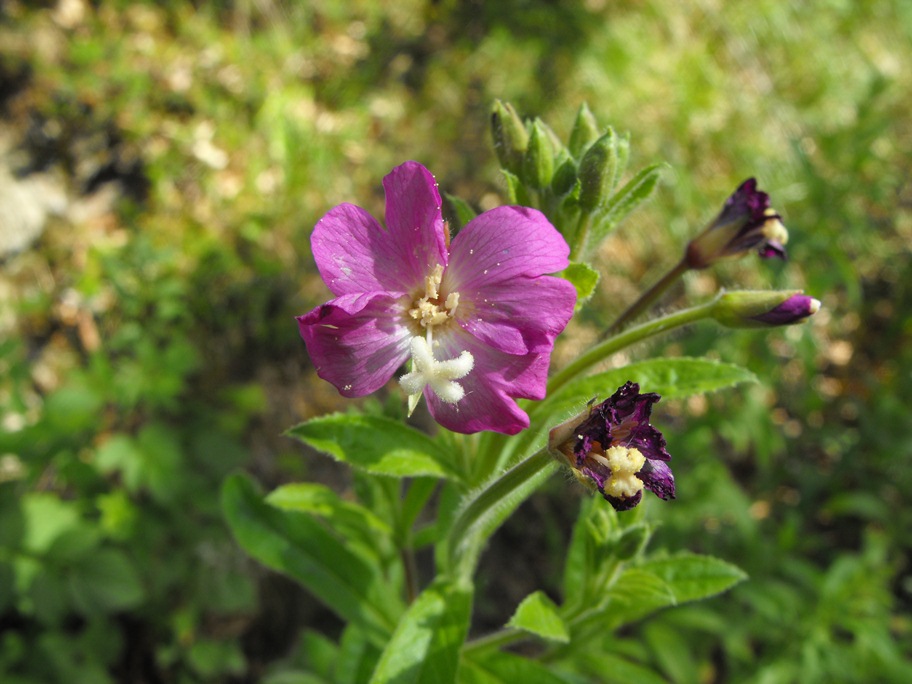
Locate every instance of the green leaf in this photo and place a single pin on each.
(72, 408)
(320, 653)
(672, 378)
(426, 644)
(539, 615)
(636, 191)
(516, 191)
(210, 658)
(46, 517)
(459, 212)
(614, 669)
(378, 445)
(584, 278)
(357, 657)
(349, 519)
(635, 594)
(104, 581)
(692, 577)
(299, 546)
(506, 668)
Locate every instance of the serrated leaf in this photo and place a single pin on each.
(671, 378)
(692, 577)
(426, 644)
(584, 278)
(302, 548)
(636, 191)
(506, 668)
(539, 615)
(378, 445)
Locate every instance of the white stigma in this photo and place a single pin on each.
(440, 376)
(624, 464)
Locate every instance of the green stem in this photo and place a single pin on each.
(498, 639)
(580, 236)
(647, 298)
(490, 506)
(626, 338)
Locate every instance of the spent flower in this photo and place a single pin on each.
(745, 223)
(474, 318)
(613, 448)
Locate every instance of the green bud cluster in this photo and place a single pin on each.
(575, 184)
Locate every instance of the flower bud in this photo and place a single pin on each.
(564, 178)
(538, 162)
(600, 169)
(765, 308)
(746, 222)
(585, 131)
(510, 137)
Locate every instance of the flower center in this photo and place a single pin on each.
(430, 311)
(624, 464)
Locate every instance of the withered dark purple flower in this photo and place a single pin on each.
(616, 450)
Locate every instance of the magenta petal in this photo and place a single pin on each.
(503, 244)
(354, 254)
(414, 221)
(357, 342)
(518, 316)
(491, 389)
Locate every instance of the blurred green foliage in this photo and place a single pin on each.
(147, 346)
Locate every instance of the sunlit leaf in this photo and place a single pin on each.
(426, 644)
(539, 615)
(302, 548)
(377, 445)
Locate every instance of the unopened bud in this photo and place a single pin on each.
(538, 162)
(601, 168)
(511, 140)
(764, 308)
(585, 131)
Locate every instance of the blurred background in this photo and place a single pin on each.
(161, 167)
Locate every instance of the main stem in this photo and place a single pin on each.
(491, 505)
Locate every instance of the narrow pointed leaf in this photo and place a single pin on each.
(507, 668)
(692, 577)
(426, 644)
(672, 378)
(302, 548)
(378, 445)
(349, 519)
(636, 191)
(539, 615)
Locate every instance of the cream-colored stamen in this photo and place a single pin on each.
(624, 464)
(428, 310)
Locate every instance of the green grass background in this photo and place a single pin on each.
(147, 345)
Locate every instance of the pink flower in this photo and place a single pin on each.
(475, 319)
